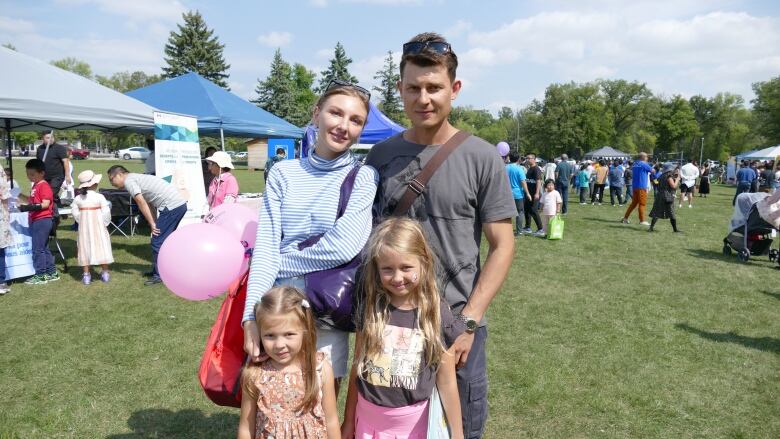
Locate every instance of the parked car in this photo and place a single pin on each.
(136, 152)
(79, 154)
(241, 155)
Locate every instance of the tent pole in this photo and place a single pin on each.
(8, 150)
(222, 138)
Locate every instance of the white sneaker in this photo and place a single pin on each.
(644, 223)
(679, 206)
(690, 206)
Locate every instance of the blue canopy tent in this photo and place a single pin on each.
(378, 128)
(218, 110)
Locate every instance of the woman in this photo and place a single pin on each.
(301, 200)
(224, 186)
(663, 205)
(704, 181)
(601, 181)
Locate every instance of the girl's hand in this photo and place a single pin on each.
(348, 430)
(252, 342)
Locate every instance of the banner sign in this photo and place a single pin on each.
(177, 159)
(18, 255)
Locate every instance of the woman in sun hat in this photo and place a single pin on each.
(93, 213)
(224, 186)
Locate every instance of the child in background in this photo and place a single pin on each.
(402, 341)
(92, 212)
(40, 204)
(582, 182)
(291, 394)
(5, 228)
(551, 204)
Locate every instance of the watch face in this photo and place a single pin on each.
(471, 324)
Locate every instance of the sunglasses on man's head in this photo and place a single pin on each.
(337, 83)
(417, 47)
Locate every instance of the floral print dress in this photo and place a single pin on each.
(278, 395)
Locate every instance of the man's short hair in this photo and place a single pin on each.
(36, 165)
(428, 57)
(564, 157)
(530, 155)
(116, 169)
(44, 133)
(514, 157)
(280, 151)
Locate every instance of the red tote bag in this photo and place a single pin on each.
(220, 367)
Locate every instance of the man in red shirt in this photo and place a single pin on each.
(40, 205)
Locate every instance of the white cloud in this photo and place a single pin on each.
(275, 39)
(384, 2)
(459, 28)
(319, 3)
(13, 25)
(136, 10)
(324, 53)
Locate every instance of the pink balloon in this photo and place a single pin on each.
(503, 148)
(237, 219)
(199, 261)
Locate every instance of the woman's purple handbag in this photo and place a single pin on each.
(331, 292)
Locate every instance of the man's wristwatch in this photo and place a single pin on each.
(471, 324)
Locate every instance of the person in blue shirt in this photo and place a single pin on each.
(516, 174)
(745, 178)
(640, 181)
(616, 182)
(583, 182)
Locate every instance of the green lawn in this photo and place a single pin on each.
(613, 332)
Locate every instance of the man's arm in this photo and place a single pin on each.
(146, 212)
(66, 167)
(501, 251)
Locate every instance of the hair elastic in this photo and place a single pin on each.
(305, 304)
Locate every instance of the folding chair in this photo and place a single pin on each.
(53, 237)
(123, 211)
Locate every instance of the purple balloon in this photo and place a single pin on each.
(199, 261)
(503, 148)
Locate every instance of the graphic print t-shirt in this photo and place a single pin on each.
(398, 376)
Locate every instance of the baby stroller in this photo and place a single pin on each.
(750, 234)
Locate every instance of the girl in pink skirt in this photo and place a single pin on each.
(91, 210)
(402, 340)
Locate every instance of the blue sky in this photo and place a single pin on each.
(509, 51)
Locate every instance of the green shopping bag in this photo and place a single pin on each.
(556, 228)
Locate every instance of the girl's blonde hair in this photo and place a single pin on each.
(404, 236)
(288, 300)
(346, 91)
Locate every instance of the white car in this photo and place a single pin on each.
(241, 155)
(136, 152)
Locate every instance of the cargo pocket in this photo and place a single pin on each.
(478, 408)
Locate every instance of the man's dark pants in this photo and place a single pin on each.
(519, 219)
(628, 193)
(529, 211)
(167, 222)
(473, 387)
(563, 189)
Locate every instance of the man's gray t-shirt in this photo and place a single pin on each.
(469, 189)
(156, 191)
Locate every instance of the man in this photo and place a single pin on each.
(745, 178)
(57, 162)
(467, 196)
(150, 190)
(563, 173)
(549, 170)
(280, 154)
(615, 178)
(688, 174)
(535, 188)
(628, 176)
(516, 174)
(641, 181)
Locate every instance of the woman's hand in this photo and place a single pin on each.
(252, 342)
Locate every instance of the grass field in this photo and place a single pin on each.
(613, 332)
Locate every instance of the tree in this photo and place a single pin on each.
(303, 80)
(277, 93)
(195, 49)
(127, 81)
(389, 99)
(623, 101)
(676, 126)
(766, 107)
(74, 65)
(337, 69)
(10, 46)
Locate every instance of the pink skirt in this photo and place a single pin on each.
(377, 422)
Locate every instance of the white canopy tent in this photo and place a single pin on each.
(770, 153)
(36, 96)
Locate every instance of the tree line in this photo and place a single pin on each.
(572, 118)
